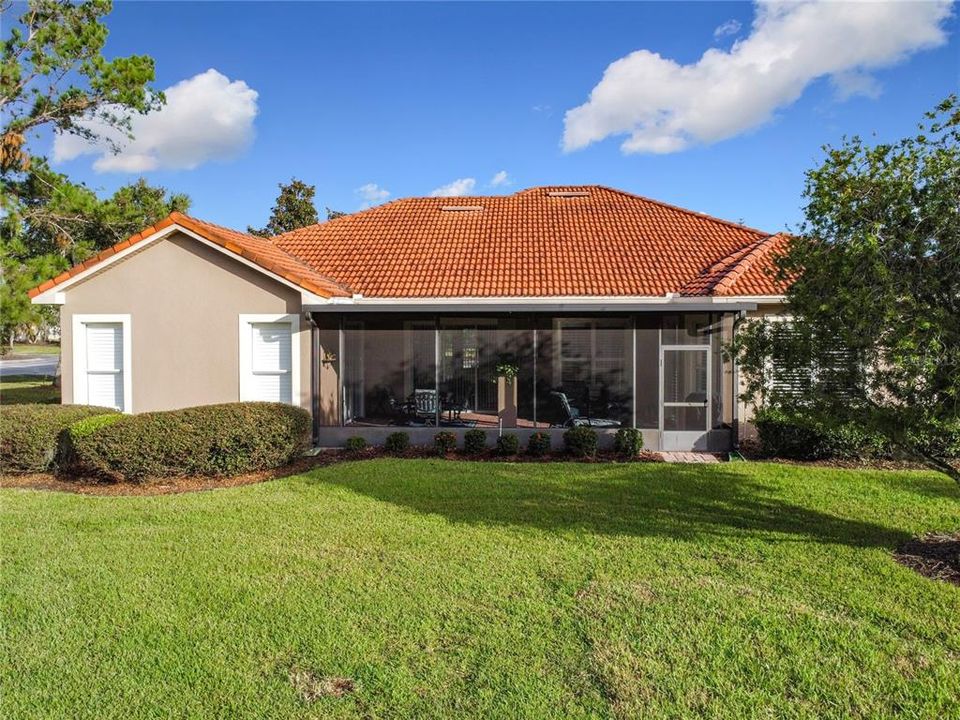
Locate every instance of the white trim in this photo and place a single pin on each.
(80, 387)
(245, 349)
(561, 299)
(55, 295)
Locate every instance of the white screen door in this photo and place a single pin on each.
(686, 397)
(271, 362)
(105, 364)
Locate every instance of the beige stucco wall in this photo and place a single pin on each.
(184, 299)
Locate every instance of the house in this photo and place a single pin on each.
(540, 310)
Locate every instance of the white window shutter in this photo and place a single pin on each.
(271, 362)
(105, 364)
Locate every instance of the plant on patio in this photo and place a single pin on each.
(628, 442)
(397, 442)
(539, 444)
(581, 441)
(874, 338)
(474, 442)
(444, 442)
(30, 434)
(508, 444)
(212, 440)
(355, 444)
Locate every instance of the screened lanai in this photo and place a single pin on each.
(663, 373)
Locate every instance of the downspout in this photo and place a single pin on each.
(314, 377)
(740, 317)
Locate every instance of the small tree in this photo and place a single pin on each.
(875, 294)
(54, 76)
(294, 209)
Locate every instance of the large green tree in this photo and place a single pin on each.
(875, 294)
(53, 76)
(294, 209)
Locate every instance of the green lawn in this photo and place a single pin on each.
(38, 349)
(17, 389)
(450, 589)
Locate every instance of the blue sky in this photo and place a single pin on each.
(411, 97)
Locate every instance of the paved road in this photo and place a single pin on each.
(29, 365)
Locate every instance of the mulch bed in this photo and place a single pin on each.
(934, 555)
(170, 485)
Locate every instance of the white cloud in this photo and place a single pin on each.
(461, 186)
(501, 178)
(850, 84)
(206, 117)
(663, 106)
(730, 27)
(372, 194)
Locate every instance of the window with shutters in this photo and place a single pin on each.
(269, 354)
(101, 361)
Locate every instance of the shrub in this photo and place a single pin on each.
(474, 441)
(508, 444)
(581, 441)
(628, 442)
(355, 444)
(208, 440)
(797, 436)
(940, 439)
(397, 442)
(539, 444)
(30, 434)
(444, 442)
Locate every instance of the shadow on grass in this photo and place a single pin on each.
(676, 501)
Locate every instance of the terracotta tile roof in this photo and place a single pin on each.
(747, 271)
(542, 242)
(255, 249)
(545, 241)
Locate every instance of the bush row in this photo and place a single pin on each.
(31, 435)
(797, 436)
(208, 440)
(578, 441)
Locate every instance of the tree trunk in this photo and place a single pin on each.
(940, 465)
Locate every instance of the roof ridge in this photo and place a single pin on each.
(758, 251)
(688, 211)
(299, 261)
(340, 218)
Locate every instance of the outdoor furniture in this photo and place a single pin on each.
(563, 414)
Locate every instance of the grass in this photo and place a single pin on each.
(38, 349)
(19, 389)
(450, 589)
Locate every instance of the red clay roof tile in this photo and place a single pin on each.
(588, 240)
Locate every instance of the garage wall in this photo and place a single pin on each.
(184, 299)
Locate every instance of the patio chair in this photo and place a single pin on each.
(563, 414)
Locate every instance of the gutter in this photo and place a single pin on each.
(673, 303)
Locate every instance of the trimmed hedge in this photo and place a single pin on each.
(397, 442)
(539, 444)
(581, 441)
(508, 444)
(444, 442)
(474, 442)
(30, 434)
(212, 440)
(628, 442)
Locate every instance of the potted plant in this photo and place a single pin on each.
(507, 370)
